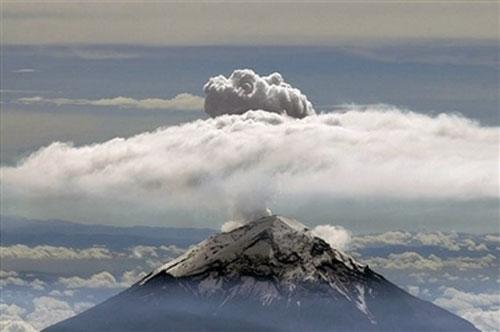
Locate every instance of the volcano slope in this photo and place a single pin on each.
(271, 274)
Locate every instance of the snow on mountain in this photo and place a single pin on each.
(269, 274)
(277, 246)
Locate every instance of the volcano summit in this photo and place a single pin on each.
(270, 274)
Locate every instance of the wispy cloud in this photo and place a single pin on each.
(183, 101)
(24, 71)
(17, 91)
(93, 53)
(472, 54)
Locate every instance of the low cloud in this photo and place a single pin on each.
(449, 241)
(67, 293)
(153, 256)
(99, 280)
(102, 279)
(82, 262)
(14, 280)
(413, 261)
(48, 311)
(259, 160)
(418, 291)
(245, 90)
(47, 252)
(183, 101)
(131, 277)
(482, 309)
(11, 319)
(382, 239)
(7, 274)
(493, 238)
(15, 325)
(20, 251)
(336, 236)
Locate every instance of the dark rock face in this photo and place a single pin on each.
(269, 275)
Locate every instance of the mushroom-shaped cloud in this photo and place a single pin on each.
(245, 90)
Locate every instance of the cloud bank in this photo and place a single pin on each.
(47, 311)
(482, 309)
(244, 90)
(21, 251)
(410, 260)
(449, 241)
(99, 280)
(183, 101)
(259, 160)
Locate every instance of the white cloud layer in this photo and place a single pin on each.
(450, 241)
(183, 101)
(20, 251)
(410, 260)
(259, 159)
(245, 90)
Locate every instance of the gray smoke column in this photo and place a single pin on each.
(245, 90)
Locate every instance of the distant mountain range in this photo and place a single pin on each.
(16, 230)
(271, 274)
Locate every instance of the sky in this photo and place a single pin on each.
(246, 22)
(102, 122)
(87, 73)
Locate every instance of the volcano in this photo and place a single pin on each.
(271, 274)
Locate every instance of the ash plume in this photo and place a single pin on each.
(245, 90)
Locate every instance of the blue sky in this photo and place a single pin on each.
(446, 77)
(338, 53)
(430, 78)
